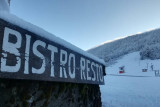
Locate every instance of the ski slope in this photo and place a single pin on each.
(133, 88)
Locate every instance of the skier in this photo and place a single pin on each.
(151, 67)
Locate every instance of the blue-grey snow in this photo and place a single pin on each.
(133, 88)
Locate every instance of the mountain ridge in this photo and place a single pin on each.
(148, 43)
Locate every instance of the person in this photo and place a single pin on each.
(151, 67)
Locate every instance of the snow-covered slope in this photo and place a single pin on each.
(133, 65)
(134, 88)
(148, 43)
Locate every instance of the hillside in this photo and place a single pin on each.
(147, 43)
(133, 88)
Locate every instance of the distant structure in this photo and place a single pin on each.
(121, 69)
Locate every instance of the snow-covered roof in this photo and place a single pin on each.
(39, 31)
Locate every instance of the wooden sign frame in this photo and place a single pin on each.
(26, 55)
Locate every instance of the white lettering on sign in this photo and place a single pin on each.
(71, 58)
(92, 71)
(37, 53)
(61, 62)
(101, 73)
(94, 75)
(53, 50)
(97, 68)
(82, 68)
(28, 40)
(11, 48)
(88, 70)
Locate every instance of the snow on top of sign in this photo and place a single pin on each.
(4, 6)
(39, 31)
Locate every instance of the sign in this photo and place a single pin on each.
(26, 55)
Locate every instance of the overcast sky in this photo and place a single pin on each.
(87, 23)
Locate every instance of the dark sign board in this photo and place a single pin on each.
(26, 55)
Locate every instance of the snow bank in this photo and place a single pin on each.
(4, 6)
(122, 91)
(39, 31)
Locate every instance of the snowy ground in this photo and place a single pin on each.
(139, 89)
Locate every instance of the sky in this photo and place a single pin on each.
(88, 23)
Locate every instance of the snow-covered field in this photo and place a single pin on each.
(133, 88)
